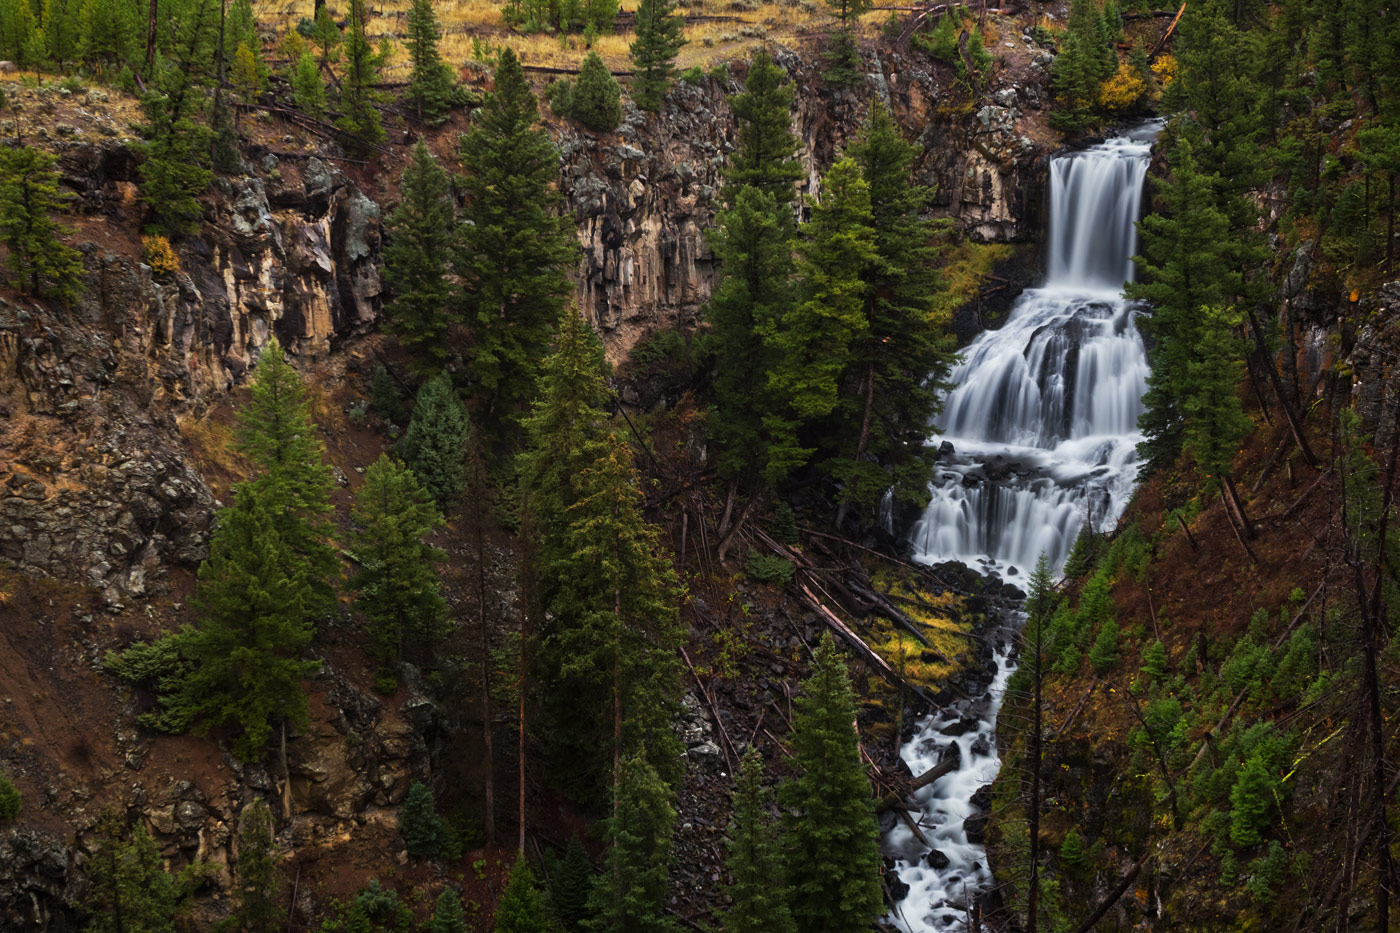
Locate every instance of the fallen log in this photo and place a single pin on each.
(861, 648)
(947, 766)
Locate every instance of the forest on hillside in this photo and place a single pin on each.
(1199, 730)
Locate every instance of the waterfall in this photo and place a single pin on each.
(1037, 438)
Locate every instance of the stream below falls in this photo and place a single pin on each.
(1037, 438)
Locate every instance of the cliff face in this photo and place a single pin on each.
(112, 407)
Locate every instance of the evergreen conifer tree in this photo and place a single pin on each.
(258, 910)
(40, 263)
(419, 823)
(751, 242)
(308, 92)
(843, 60)
(630, 895)
(397, 585)
(176, 165)
(448, 916)
(759, 900)
(833, 860)
(276, 432)
(359, 117)
(384, 396)
(659, 38)
(131, 892)
(432, 87)
(812, 344)
(416, 259)
(522, 908)
(766, 142)
(10, 799)
(597, 99)
(570, 884)
(513, 250)
(253, 600)
(901, 360)
(327, 36)
(436, 438)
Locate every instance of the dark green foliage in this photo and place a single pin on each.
(416, 257)
(570, 884)
(325, 32)
(560, 95)
(784, 525)
(942, 43)
(384, 396)
(513, 250)
(376, 909)
(1154, 662)
(1266, 873)
(832, 857)
(843, 60)
(175, 169)
(308, 92)
(259, 884)
(1072, 851)
(448, 916)
(522, 908)
(254, 623)
(10, 802)
(752, 242)
(653, 52)
(1252, 801)
(1103, 656)
(397, 586)
(434, 444)
(1086, 59)
(432, 87)
(764, 159)
(131, 892)
(758, 898)
(900, 360)
(160, 664)
(630, 894)
(812, 343)
(359, 117)
(39, 262)
(419, 823)
(596, 101)
(768, 568)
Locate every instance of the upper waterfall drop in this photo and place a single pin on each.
(1043, 416)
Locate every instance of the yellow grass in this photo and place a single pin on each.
(931, 612)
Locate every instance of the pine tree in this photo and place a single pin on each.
(41, 264)
(597, 99)
(766, 143)
(630, 895)
(812, 344)
(751, 241)
(659, 37)
(833, 860)
(432, 87)
(570, 884)
(327, 36)
(384, 396)
(901, 361)
(176, 165)
(419, 823)
(1215, 421)
(397, 586)
(259, 884)
(253, 600)
(416, 259)
(276, 432)
(448, 916)
(131, 892)
(435, 440)
(359, 117)
(513, 250)
(246, 74)
(843, 60)
(758, 897)
(308, 92)
(522, 908)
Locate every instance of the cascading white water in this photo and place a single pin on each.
(1038, 437)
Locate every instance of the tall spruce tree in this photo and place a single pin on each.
(763, 158)
(448, 916)
(432, 87)
(435, 443)
(832, 855)
(522, 908)
(812, 343)
(597, 99)
(659, 37)
(630, 896)
(751, 241)
(40, 263)
(176, 150)
(254, 602)
(843, 59)
(1215, 421)
(359, 120)
(570, 884)
(416, 259)
(259, 883)
(308, 91)
(756, 891)
(131, 891)
(397, 586)
(901, 360)
(513, 250)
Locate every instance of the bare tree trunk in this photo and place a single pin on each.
(286, 777)
(1295, 424)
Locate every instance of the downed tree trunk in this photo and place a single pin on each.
(861, 648)
(947, 766)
